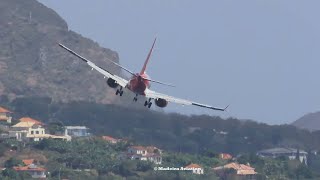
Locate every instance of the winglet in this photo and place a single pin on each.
(226, 108)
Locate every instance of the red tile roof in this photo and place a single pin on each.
(225, 156)
(193, 166)
(108, 138)
(28, 119)
(240, 168)
(27, 162)
(27, 168)
(3, 110)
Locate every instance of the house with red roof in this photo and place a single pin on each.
(144, 153)
(195, 168)
(238, 171)
(31, 168)
(111, 140)
(141, 150)
(30, 131)
(5, 115)
(31, 120)
(225, 156)
(27, 162)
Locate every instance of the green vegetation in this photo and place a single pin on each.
(94, 158)
(168, 131)
(184, 139)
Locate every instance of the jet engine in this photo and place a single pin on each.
(112, 83)
(161, 102)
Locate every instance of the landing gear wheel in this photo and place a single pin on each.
(135, 99)
(146, 103)
(119, 91)
(149, 105)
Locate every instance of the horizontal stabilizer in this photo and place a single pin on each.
(159, 82)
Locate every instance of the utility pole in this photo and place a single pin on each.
(59, 173)
(30, 16)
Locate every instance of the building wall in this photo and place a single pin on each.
(137, 151)
(197, 171)
(77, 132)
(38, 130)
(291, 156)
(19, 135)
(6, 116)
(37, 174)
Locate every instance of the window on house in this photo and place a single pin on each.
(37, 132)
(31, 132)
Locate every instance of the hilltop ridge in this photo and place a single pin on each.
(310, 121)
(31, 63)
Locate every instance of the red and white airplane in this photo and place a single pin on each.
(139, 84)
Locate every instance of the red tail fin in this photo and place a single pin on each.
(148, 57)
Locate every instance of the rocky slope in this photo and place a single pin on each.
(309, 121)
(31, 62)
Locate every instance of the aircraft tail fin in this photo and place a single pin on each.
(148, 57)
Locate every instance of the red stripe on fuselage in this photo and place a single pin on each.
(139, 85)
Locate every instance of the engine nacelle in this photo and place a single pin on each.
(161, 102)
(112, 83)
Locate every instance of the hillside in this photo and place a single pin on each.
(184, 139)
(309, 121)
(175, 132)
(31, 62)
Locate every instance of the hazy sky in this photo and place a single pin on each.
(260, 56)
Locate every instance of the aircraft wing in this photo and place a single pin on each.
(122, 82)
(155, 95)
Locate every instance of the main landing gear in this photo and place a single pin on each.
(135, 99)
(148, 103)
(119, 91)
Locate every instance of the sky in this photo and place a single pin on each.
(259, 56)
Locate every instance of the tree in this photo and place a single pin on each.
(298, 154)
(127, 168)
(303, 171)
(9, 172)
(144, 166)
(3, 149)
(56, 127)
(13, 162)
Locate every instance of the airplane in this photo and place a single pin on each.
(139, 83)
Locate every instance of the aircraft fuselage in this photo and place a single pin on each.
(139, 83)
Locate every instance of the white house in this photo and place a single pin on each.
(241, 171)
(33, 170)
(5, 115)
(77, 131)
(29, 131)
(291, 153)
(195, 168)
(137, 150)
(149, 153)
(19, 131)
